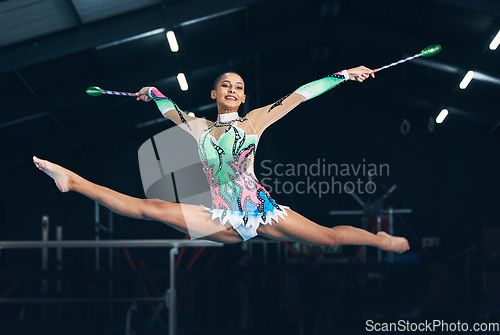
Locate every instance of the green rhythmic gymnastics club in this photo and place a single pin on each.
(96, 91)
(427, 52)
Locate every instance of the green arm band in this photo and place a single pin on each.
(320, 86)
(165, 104)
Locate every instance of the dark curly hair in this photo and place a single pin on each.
(220, 76)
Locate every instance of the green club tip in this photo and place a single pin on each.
(93, 91)
(430, 50)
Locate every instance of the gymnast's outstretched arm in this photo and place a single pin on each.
(170, 110)
(262, 118)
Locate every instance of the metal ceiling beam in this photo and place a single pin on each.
(26, 84)
(73, 9)
(113, 30)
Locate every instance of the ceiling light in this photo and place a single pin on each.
(495, 42)
(468, 77)
(172, 41)
(442, 115)
(181, 78)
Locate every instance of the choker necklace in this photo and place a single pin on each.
(227, 117)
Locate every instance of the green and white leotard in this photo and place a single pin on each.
(227, 151)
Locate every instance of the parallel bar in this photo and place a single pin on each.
(171, 297)
(108, 244)
(347, 212)
(390, 256)
(97, 226)
(79, 300)
(398, 211)
(359, 212)
(45, 264)
(110, 264)
(379, 228)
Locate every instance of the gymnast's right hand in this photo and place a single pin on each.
(143, 94)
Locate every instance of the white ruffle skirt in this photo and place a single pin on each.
(247, 229)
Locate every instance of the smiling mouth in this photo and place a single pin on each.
(231, 98)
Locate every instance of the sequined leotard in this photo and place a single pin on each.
(227, 151)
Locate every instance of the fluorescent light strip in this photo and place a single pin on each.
(133, 38)
(496, 40)
(453, 69)
(467, 79)
(442, 115)
(436, 65)
(486, 78)
(181, 78)
(212, 16)
(172, 41)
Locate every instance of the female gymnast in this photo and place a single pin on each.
(241, 207)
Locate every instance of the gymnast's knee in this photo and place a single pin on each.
(335, 238)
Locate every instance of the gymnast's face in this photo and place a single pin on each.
(229, 92)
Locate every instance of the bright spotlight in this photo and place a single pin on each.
(496, 40)
(442, 115)
(172, 41)
(467, 79)
(181, 78)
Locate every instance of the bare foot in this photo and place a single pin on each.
(393, 243)
(61, 176)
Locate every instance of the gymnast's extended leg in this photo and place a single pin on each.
(297, 228)
(173, 214)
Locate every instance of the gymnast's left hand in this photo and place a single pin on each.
(360, 73)
(143, 94)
